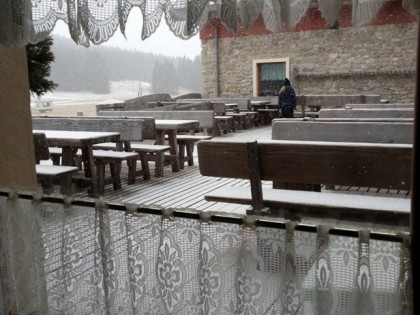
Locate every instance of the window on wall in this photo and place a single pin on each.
(269, 76)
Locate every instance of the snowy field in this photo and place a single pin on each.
(71, 103)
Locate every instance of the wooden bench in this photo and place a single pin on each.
(146, 151)
(47, 173)
(342, 131)
(239, 120)
(335, 163)
(367, 113)
(244, 104)
(218, 107)
(335, 101)
(186, 148)
(205, 117)
(223, 125)
(266, 115)
(380, 105)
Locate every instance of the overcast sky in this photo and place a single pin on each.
(163, 41)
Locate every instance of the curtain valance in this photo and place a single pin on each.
(29, 21)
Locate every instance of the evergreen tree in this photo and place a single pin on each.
(95, 76)
(164, 78)
(39, 58)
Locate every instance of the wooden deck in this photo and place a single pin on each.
(186, 189)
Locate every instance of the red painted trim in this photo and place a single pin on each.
(390, 13)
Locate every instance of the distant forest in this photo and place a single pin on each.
(77, 68)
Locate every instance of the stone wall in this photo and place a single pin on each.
(377, 59)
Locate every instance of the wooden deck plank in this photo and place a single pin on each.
(184, 199)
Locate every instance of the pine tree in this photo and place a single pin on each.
(39, 58)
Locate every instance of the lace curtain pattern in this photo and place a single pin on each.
(95, 21)
(92, 260)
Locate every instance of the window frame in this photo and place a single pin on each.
(256, 62)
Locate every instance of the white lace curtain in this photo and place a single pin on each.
(23, 21)
(90, 260)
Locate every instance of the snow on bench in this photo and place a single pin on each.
(331, 163)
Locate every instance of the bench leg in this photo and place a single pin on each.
(131, 170)
(217, 129)
(65, 184)
(55, 158)
(47, 185)
(232, 125)
(144, 159)
(181, 154)
(78, 162)
(100, 177)
(242, 122)
(190, 152)
(159, 164)
(115, 168)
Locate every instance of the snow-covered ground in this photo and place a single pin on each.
(120, 91)
(73, 103)
(84, 103)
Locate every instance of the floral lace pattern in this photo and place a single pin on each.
(96, 21)
(96, 261)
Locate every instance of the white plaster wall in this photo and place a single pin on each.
(17, 161)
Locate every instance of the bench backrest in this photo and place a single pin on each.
(348, 164)
(141, 102)
(337, 101)
(367, 113)
(388, 120)
(188, 96)
(343, 131)
(205, 117)
(129, 129)
(218, 107)
(381, 106)
(41, 147)
(244, 104)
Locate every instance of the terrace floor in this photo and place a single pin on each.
(186, 189)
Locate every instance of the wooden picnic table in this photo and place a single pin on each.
(257, 103)
(262, 105)
(170, 128)
(314, 108)
(71, 141)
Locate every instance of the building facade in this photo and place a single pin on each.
(378, 58)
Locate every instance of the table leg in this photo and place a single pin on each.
(174, 153)
(65, 184)
(174, 149)
(68, 156)
(90, 169)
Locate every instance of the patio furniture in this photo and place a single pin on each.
(309, 162)
(71, 141)
(48, 173)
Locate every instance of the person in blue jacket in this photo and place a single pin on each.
(287, 99)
